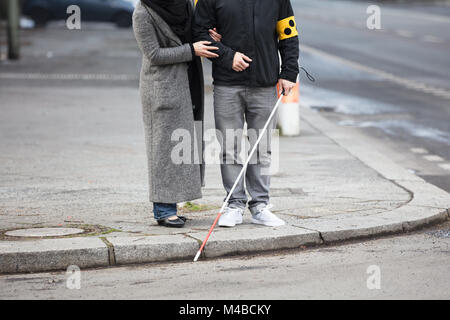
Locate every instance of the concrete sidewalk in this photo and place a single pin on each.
(72, 154)
(73, 163)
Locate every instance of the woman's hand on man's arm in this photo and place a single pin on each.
(202, 49)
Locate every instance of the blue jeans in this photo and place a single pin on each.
(164, 210)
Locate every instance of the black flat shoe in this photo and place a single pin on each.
(181, 218)
(176, 223)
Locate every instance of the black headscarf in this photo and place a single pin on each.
(176, 13)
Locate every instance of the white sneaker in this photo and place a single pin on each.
(231, 216)
(261, 214)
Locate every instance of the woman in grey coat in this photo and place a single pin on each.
(171, 88)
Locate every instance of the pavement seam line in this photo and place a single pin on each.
(199, 242)
(191, 237)
(410, 192)
(320, 233)
(111, 253)
(435, 219)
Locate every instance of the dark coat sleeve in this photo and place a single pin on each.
(288, 42)
(205, 19)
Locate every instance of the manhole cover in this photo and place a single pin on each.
(43, 232)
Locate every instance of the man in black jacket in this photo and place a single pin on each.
(255, 33)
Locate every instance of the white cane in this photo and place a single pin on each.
(239, 176)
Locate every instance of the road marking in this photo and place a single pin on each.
(433, 39)
(426, 16)
(67, 76)
(407, 83)
(445, 166)
(49, 54)
(419, 150)
(404, 33)
(433, 158)
(341, 22)
(401, 33)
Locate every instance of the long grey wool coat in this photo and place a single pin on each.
(167, 107)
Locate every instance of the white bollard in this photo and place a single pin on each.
(289, 114)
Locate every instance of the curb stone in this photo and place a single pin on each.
(238, 241)
(130, 250)
(52, 254)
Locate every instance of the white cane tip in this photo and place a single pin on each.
(197, 256)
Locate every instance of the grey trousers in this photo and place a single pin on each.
(233, 106)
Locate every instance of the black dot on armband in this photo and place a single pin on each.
(291, 23)
(287, 31)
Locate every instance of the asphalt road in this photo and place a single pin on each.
(393, 83)
(414, 266)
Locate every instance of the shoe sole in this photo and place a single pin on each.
(230, 225)
(268, 224)
(171, 225)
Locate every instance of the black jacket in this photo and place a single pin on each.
(257, 28)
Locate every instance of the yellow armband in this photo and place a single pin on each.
(287, 28)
